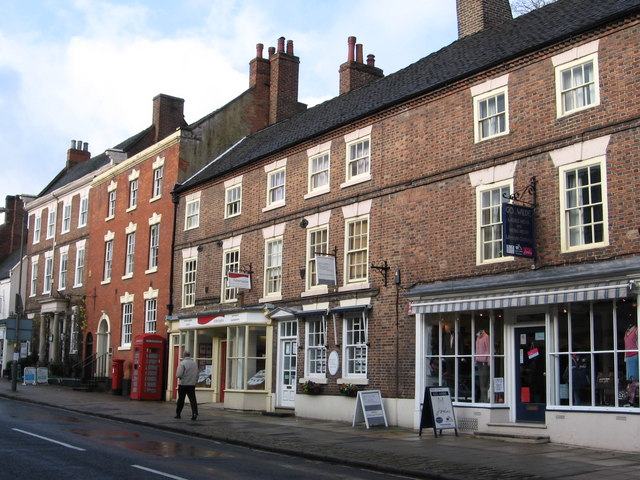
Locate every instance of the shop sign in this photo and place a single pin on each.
(239, 280)
(369, 409)
(437, 410)
(326, 270)
(518, 238)
(333, 363)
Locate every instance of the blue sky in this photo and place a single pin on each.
(89, 69)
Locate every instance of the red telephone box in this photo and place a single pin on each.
(148, 354)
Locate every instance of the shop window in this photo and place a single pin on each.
(465, 352)
(316, 346)
(595, 360)
(246, 361)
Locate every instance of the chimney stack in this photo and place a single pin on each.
(259, 70)
(477, 15)
(283, 88)
(77, 153)
(168, 115)
(354, 72)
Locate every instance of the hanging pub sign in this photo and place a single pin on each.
(326, 269)
(239, 280)
(518, 239)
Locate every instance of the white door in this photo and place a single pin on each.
(288, 351)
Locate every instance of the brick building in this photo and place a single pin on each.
(129, 288)
(398, 185)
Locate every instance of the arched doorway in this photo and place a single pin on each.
(102, 348)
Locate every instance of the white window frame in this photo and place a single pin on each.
(481, 190)
(276, 187)
(316, 347)
(154, 246)
(355, 354)
(319, 170)
(192, 214)
(79, 269)
(127, 324)
(492, 118)
(312, 249)
(129, 261)
(133, 194)
(233, 201)
(108, 261)
(51, 223)
(273, 268)
(63, 267)
(565, 236)
(229, 294)
(158, 174)
(66, 218)
(37, 227)
(150, 315)
(568, 61)
(189, 277)
(353, 159)
(111, 211)
(33, 291)
(83, 212)
(350, 252)
(48, 273)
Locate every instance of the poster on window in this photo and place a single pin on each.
(518, 239)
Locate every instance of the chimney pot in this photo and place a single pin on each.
(73, 144)
(272, 51)
(289, 47)
(85, 146)
(351, 41)
(259, 48)
(359, 53)
(371, 60)
(281, 45)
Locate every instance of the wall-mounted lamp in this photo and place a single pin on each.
(200, 248)
(219, 243)
(303, 272)
(303, 223)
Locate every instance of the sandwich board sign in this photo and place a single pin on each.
(369, 409)
(437, 410)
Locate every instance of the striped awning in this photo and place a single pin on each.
(574, 293)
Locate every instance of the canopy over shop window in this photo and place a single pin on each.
(566, 284)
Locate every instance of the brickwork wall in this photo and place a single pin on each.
(423, 216)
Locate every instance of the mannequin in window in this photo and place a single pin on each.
(631, 355)
(483, 346)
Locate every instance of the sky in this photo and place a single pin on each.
(89, 69)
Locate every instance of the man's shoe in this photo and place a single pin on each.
(194, 416)
(177, 416)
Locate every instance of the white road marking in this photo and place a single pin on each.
(49, 439)
(158, 472)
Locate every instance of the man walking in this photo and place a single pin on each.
(187, 374)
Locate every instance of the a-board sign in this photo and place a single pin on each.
(369, 409)
(29, 376)
(437, 410)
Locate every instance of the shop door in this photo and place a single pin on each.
(530, 374)
(287, 374)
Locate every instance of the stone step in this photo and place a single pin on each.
(513, 437)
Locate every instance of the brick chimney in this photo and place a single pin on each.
(283, 91)
(11, 230)
(168, 115)
(77, 153)
(354, 72)
(476, 15)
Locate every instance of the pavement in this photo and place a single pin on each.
(392, 450)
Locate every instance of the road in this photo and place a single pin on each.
(47, 443)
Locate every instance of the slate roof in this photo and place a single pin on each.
(464, 57)
(81, 169)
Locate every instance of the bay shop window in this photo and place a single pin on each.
(246, 357)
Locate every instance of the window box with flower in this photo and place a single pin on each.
(312, 388)
(348, 389)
